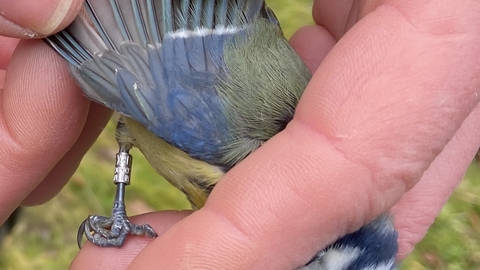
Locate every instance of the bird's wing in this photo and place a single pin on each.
(158, 61)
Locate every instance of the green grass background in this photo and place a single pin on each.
(45, 235)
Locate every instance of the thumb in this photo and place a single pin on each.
(33, 19)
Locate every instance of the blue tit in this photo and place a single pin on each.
(199, 85)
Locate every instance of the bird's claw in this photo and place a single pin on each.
(111, 231)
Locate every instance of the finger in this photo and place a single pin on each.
(28, 19)
(419, 207)
(337, 16)
(93, 257)
(312, 43)
(97, 118)
(7, 46)
(379, 109)
(43, 113)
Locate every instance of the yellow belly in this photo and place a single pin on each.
(193, 177)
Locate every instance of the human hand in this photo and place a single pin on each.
(46, 124)
(356, 122)
(389, 110)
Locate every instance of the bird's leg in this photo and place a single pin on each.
(112, 231)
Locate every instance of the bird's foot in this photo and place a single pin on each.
(111, 231)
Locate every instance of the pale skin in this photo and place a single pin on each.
(390, 119)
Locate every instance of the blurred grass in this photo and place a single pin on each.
(453, 241)
(45, 236)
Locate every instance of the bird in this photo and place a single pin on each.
(199, 85)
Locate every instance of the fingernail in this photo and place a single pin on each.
(42, 16)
